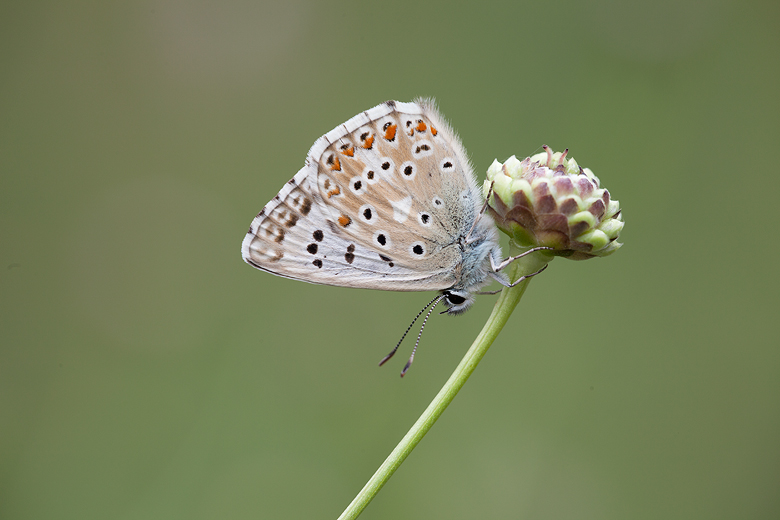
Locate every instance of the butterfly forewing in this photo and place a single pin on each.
(380, 204)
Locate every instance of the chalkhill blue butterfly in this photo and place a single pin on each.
(387, 200)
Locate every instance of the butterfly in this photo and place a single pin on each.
(389, 201)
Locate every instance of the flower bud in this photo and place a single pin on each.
(548, 200)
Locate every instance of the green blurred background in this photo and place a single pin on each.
(146, 372)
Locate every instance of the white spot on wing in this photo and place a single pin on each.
(401, 209)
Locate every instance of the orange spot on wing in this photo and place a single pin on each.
(336, 166)
(390, 132)
(334, 191)
(369, 142)
(345, 220)
(350, 152)
(421, 126)
(434, 131)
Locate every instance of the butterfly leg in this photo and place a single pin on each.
(527, 276)
(488, 293)
(503, 264)
(502, 278)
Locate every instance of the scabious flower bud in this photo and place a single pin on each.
(548, 200)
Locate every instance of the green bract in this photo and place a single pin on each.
(548, 200)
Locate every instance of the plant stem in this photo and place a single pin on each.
(506, 303)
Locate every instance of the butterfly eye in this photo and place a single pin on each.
(454, 298)
(458, 301)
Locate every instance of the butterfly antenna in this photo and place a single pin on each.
(387, 357)
(481, 211)
(411, 358)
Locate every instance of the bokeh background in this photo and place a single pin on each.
(146, 372)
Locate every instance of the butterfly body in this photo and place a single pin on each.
(387, 200)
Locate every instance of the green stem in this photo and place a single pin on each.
(506, 303)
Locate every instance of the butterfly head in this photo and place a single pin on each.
(457, 301)
(476, 269)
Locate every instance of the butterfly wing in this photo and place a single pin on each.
(381, 203)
